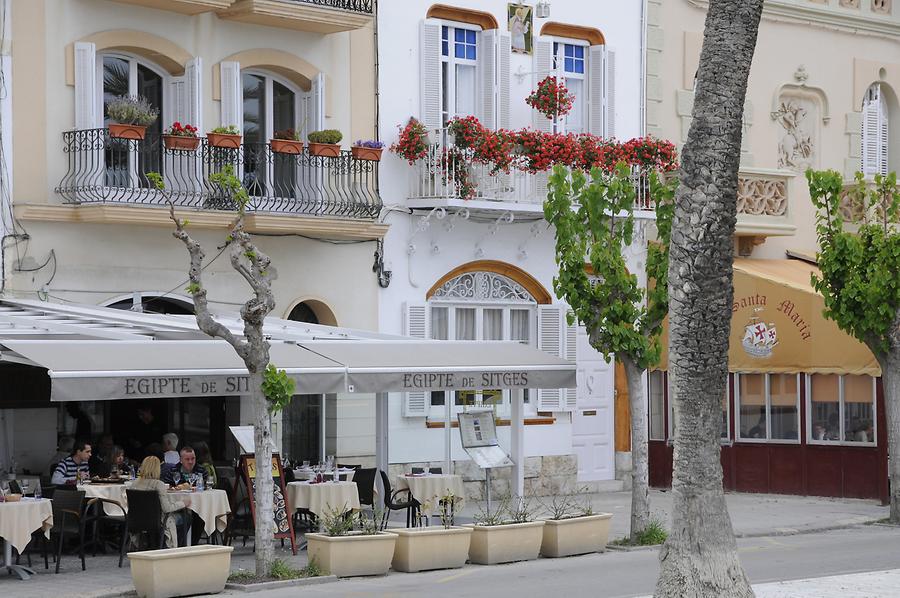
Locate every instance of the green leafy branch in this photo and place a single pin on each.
(278, 388)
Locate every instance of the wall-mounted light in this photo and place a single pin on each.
(542, 9)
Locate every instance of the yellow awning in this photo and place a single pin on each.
(777, 325)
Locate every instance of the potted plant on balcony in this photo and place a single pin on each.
(346, 552)
(573, 528)
(367, 150)
(225, 136)
(425, 548)
(325, 143)
(131, 115)
(181, 137)
(287, 141)
(551, 98)
(413, 142)
(506, 534)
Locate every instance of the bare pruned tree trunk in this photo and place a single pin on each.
(640, 478)
(699, 559)
(253, 348)
(890, 379)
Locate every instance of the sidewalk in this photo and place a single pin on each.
(857, 585)
(752, 514)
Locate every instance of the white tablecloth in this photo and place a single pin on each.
(346, 475)
(433, 487)
(322, 497)
(212, 507)
(114, 492)
(19, 519)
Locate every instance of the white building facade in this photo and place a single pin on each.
(482, 267)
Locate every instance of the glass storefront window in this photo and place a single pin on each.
(784, 407)
(752, 393)
(824, 411)
(859, 411)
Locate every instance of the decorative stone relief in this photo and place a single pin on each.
(881, 6)
(797, 146)
(483, 286)
(762, 196)
(850, 3)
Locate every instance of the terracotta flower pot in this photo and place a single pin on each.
(366, 153)
(120, 131)
(224, 140)
(286, 146)
(180, 142)
(329, 150)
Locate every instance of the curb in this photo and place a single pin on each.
(812, 530)
(625, 548)
(285, 583)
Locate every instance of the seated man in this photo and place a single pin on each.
(170, 446)
(67, 470)
(186, 466)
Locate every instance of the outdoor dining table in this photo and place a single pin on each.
(17, 522)
(430, 488)
(211, 506)
(345, 474)
(319, 498)
(112, 492)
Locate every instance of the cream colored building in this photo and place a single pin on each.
(82, 225)
(816, 63)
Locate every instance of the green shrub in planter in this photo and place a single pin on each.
(327, 136)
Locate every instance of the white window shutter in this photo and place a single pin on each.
(883, 139)
(596, 85)
(430, 73)
(542, 58)
(316, 116)
(487, 62)
(869, 137)
(87, 115)
(178, 102)
(193, 91)
(570, 353)
(415, 325)
(232, 94)
(504, 49)
(550, 341)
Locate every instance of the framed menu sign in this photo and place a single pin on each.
(284, 526)
(478, 434)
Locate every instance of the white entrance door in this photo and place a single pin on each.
(592, 420)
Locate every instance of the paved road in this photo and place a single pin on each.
(627, 574)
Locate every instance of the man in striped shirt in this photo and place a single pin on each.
(67, 469)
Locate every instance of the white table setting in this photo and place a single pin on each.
(430, 488)
(17, 522)
(321, 497)
(211, 506)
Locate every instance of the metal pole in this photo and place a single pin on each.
(382, 456)
(487, 487)
(448, 397)
(517, 441)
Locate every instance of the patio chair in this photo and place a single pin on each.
(436, 470)
(68, 520)
(14, 487)
(392, 504)
(99, 517)
(417, 470)
(240, 523)
(144, 517)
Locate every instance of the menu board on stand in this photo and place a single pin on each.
(478, 435)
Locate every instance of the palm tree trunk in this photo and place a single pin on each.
(700, 559)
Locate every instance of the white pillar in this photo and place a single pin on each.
(517, 440)
(448, 431)
(382, 457)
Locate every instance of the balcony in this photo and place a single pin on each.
(457, 181)
(319, 16)
(185, 7)
(104, 170)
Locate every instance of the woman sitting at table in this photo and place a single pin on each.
(148, 479)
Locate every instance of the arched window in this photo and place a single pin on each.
(122, 74)
(270, 104)
(875, 132)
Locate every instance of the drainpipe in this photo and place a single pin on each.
(643, 70)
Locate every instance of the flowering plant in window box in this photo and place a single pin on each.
(551, 98)
(225, 136)
(181, 137)
(367, 150)
(413, 142)
(131, 116)
(286, 141)
(325, 143)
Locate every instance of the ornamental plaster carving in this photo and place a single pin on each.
(759, 196)
(881, 6)
(797, 146)
(850, 3)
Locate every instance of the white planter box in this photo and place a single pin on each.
(579, 535)
(425, 548)
(180, 571)
(492, 544)
(349, 556)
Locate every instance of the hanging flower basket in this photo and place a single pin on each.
(286, 146)
(179, 142)
(551, 98)
(327, 150)
(224, 140)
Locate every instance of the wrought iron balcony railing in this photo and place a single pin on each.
(360, 6)
(444, 174)
(102, 169)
